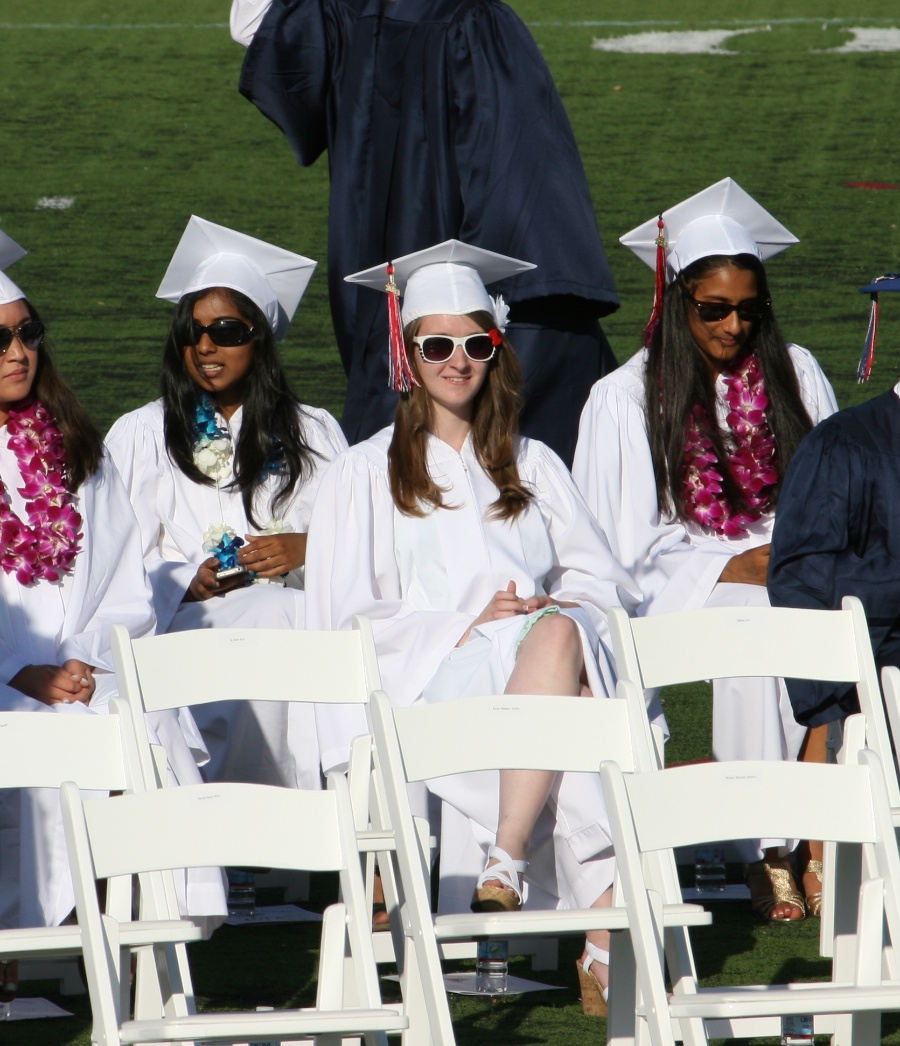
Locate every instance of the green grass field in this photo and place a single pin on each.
(131, 111)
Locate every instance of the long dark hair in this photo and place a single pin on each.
(82, 441)
(271, 428)
(495, 429)
(677, 377)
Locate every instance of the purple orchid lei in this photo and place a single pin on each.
(752, 463)
(44, 548)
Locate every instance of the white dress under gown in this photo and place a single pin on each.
(422, 582)
(261, 742)
(48, 623)
(677, 565)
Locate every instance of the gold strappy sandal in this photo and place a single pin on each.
(782, 890)
(814, 900)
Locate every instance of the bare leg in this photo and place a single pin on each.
(809, 852)
(549, 662)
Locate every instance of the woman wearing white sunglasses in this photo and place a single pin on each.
(480, 567)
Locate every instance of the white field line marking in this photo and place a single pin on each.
(714, 41)
(590, 24)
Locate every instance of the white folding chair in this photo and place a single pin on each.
(193, 826)
(496, 732)
(41, 750)
(755, 641)
(697, 804)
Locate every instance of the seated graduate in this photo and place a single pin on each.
(682, 452)
(71, 568)
(836, 533)
(222, 471)
(482, 571)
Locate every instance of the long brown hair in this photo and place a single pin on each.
(495, 432)
(81, 438)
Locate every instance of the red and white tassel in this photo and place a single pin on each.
(868, 353)
(400, 375)
(660, 290)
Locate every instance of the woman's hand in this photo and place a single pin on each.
(271, 555)
(204, 584)
(508, 604)
(748, 568)
(56, 684)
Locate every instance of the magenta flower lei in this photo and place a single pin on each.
(44, 548)
(751, 463)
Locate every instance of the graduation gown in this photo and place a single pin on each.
(423, 581)
(838, 534)
(48, 623)
(265, 742)
(441, 119)
(678, 565)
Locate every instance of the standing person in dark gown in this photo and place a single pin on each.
(441, 120)
(837, 532)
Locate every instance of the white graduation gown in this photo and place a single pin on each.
(48, 623)
(254, 741)
(676, 565)
(423, 581)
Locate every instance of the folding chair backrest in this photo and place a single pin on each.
(196, 826)
(224, 664)
(525, 732)
(720, 642)
(221, 664)
(706, 802)
(42, 750)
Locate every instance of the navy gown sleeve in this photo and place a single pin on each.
(287, 73)
(837, 533)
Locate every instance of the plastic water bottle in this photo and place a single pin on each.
(492, 967)
(241, 892)
(797, 1031)
(709, 869)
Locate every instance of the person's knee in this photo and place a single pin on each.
(558, 634)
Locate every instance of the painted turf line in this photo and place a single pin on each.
(588, 24)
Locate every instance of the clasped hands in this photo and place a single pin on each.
(56, 684)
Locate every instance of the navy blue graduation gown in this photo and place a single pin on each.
(441, 119)
(837, 533)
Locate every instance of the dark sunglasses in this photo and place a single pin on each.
(749, 311)
(227, 334)
(30, 334)
(438, 348)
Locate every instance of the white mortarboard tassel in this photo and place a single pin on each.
(10, 252)
(445, 280)
(720, 220)
(210, 255)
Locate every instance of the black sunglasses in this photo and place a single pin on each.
(227, 334)
(749, 311)
(438, 348)
(30, 334)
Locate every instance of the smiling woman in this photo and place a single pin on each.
(682, 453)
(481, 570)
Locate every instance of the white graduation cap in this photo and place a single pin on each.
(210, 255)
(721, 219)
(447, 279)
(10, 252)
